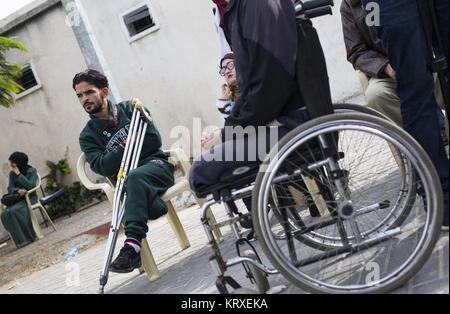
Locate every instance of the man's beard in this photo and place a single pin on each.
(97, 107)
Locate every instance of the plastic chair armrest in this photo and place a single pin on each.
(180, 156)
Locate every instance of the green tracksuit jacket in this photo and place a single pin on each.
(103, 143)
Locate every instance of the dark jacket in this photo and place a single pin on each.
(364, 50)
(263, 37)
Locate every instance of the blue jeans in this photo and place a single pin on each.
(402, 36)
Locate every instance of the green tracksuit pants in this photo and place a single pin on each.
(144, 186)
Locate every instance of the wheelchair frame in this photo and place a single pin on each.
(346, 211)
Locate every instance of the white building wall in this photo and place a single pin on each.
(44, 124)
(344, 82)
(174, 69)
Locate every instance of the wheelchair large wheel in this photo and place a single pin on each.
(301, 199)
(364, 233)
(408, 190)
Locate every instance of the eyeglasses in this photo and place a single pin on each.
(228, 66)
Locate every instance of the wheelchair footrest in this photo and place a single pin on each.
(222, 282)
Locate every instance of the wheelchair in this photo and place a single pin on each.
(345, 203)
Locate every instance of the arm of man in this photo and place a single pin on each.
(102, 162)
(269, 31)
(362, 58)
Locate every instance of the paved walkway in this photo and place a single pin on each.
(183, 272)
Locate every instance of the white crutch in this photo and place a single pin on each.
(136, 133)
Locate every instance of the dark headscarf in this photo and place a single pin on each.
(221, 6)
(21, 160)
(229, 55)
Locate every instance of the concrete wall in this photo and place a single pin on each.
(45, 123)
(344, 82)
(174, 70)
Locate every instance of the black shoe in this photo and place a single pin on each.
(127, 261)
(251, 236)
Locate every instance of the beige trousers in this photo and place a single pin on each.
(380, 95)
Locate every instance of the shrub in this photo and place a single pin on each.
(75, 195)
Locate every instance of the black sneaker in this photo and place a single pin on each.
(127, 261)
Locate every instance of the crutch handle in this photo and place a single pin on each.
(137, 104)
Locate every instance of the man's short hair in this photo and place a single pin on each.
(91, 76)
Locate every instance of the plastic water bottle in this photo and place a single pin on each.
(72, 253)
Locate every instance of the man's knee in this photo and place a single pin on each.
(194, 167)
(135, 178)
(195, 174)
(376, 93)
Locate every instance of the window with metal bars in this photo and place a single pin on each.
(138, 20)
(27, 80)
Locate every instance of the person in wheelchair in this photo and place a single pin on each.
(103, 141)
(230, 93)
(270, 103)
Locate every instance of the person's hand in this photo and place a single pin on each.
(15, 169)
(205, 138)
(226, 92)
(390, 71)
(212, 139)
(22, 192)
(126, 140)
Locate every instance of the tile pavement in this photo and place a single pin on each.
(183, 272)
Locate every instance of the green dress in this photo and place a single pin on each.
(16, 218)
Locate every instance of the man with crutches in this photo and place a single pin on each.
(409, 32)
(121, 142)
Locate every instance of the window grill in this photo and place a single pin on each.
(138, 21)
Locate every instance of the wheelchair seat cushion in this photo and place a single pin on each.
(231, 179)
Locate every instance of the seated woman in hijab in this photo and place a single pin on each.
(16, 218)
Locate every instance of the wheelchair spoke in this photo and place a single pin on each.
(330, 213)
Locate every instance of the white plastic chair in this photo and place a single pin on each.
(32, 207)
(148, 262)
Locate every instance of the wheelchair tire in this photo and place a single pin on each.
(349, 108)
(407, 197)
(401, 244)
